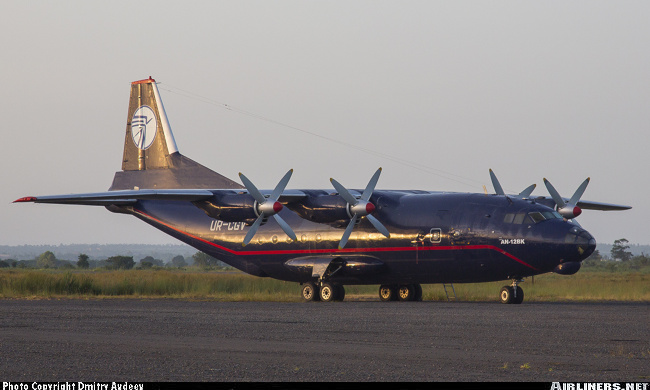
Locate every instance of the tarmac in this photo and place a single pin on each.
(175, 340)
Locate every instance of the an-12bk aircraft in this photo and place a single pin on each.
(325, 239)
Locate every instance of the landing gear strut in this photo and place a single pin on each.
(512, 294)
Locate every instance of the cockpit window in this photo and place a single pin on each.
(551, 214)
(509, 217)
(521, 218)
(537, 217)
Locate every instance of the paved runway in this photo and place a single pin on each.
(170, 340)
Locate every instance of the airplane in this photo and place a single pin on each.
(325, 239)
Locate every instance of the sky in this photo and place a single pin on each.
(435, 92)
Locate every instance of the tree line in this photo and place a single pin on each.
(620, 259)
(47, 260)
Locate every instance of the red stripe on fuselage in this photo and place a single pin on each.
(336, 251)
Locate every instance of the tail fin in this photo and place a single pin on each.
(151, 158)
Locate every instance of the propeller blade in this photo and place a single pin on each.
(281, 185)
(253, 230)
(371, 186)
(554, 194)
(495, 183)
(348, 231)
(285, 227)
(252, 189)
(578, 194)
(359, 208)
(381, 228)
(526, 193)
(344, 192)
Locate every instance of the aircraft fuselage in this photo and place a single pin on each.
(434, 238)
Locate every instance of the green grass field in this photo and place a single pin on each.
(236, 286)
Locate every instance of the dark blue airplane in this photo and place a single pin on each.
(325, 239)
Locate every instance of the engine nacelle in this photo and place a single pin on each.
(568, 268)
(230, 208)
(570, 212)
(322, 209)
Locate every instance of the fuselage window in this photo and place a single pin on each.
(508, 218)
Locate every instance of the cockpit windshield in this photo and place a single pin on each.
(539, 216)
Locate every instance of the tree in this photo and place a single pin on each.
(120, 262)
(83, 261)
(46, 260)
(152, 261)
(4, 264)
(620, 250)
(179, 261)
(146, 264)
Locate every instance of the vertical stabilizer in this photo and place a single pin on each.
(148, 141)
(151, 158)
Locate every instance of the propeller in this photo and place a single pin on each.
(359, 208)
(570, 209)
(266, 207)
(499, 190)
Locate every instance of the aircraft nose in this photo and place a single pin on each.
(583, 242)
(591, 247)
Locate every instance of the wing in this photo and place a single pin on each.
(129, 197)
(584, 204)
(123, 197)
(589, 205)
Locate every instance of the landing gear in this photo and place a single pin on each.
(327, 292)
(387, 293)
(410, 292)
(512, 294)
(310, 292)
(331, 292)
(402, 292)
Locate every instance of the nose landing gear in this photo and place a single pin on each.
(512, 294)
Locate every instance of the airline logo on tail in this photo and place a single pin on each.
(143, 127)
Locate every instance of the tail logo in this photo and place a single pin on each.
(143, 127)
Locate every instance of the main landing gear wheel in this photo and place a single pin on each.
(387, 293)
(310, 292)
(331, 292)
(409, 292)
(509, 296)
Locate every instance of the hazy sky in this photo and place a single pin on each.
(447, 89)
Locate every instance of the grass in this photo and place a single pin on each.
(236, 286)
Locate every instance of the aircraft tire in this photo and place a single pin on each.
(507, 295)
(418, 292)
(406, 292)
(310, 292)
(387, 293)
(328, 292)
(520, 296)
